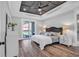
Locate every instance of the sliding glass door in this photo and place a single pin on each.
(28, 29)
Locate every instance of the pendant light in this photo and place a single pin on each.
(39, 8)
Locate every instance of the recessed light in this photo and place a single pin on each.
(39, 9)
(40, 12)
(24, 9)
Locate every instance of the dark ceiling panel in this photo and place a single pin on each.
(33, 6)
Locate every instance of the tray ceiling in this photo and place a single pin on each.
(39, 7)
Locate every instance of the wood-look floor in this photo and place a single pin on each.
(30, 49)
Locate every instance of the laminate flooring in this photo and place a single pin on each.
(27, 48)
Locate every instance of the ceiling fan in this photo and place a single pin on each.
(40, 7)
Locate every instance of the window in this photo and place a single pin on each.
(27, 29)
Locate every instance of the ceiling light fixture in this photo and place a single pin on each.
(40, 12)
(24, 9)
(40, 9)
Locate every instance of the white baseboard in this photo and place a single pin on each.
(76, 44)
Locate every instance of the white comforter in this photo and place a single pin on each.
(42, 40)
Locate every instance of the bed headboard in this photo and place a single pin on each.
(54, 29)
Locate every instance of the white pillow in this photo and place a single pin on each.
(47, 33)
(55, 33)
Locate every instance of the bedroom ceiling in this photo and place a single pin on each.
(14, 8)
(39, 7)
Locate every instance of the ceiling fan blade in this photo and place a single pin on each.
(43, 6)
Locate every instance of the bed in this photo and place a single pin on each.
(42, 40)
(47, 38)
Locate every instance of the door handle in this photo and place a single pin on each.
(2, 43)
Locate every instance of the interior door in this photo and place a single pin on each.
(77, 27)
(2, 30)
